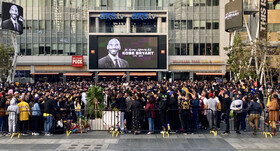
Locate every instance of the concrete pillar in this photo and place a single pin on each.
(96, 24)
(95, 76)
(64, 78)
(159, 76)
(128, 76)
(32, 70)
(159, 20)
(191, 75)
(127, 24)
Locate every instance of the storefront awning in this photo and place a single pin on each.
(56, 73)
(111, 73)
(210, 73)
(78, 74)
(148, 74)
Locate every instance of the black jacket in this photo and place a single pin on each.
(163, 100)
(121, 104)
(173, 104)
(49, 106)
(225, 105)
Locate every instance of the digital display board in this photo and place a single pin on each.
(233, 15)
(12, 17)
(127, 52)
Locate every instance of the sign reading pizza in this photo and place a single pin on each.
(77, 61)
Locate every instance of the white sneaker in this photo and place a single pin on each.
(161, 132)
(32, 133)
(48, 134)
(185, 133)
(25, 134)
(36, 134)
(9, 134)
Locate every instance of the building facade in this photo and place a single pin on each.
(56, 30)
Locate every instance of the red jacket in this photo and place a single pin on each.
(150, 110)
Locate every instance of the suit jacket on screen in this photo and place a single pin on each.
(8, 24)
(106, 62)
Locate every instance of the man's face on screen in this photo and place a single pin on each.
(14, 12)
(114, 47)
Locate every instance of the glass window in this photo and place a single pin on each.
(208, 2)
(195, 49)
(189, 49)
(171, 49)
(196, 2)
(190, 24)
(215, 49)
(215, 24)
(202, 49)
(208, 49)
(270, 27)
(208, 25)
(202, 2)
(215, 2)
(196, 24)
(202, 24)
(177, 49)
(183, 24)
(177, 24)
(190, 3)
(183, 49)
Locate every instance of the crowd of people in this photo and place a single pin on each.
(179, 106)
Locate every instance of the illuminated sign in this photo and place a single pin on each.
(142, 16)
(111, 16)
(135, 16)
(197, 61)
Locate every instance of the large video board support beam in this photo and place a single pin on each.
(11, 75)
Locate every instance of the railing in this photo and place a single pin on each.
(192, 120)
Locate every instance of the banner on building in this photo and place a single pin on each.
(77, 61)
(263, 20)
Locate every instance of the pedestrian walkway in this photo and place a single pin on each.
(100, 141)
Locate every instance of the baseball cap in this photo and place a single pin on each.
(210, 94)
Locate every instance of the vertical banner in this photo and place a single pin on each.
(263, 20)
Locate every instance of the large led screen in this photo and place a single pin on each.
(12, 17)
(233, 15)
(127, 52)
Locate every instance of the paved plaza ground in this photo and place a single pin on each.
(104, 141)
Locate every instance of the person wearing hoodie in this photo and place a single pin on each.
(13, 112)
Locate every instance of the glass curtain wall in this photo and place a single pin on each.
(59, 27)
(54, 27)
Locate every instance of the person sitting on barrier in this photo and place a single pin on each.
(273, 114)
(236, 106)
(255, 110)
